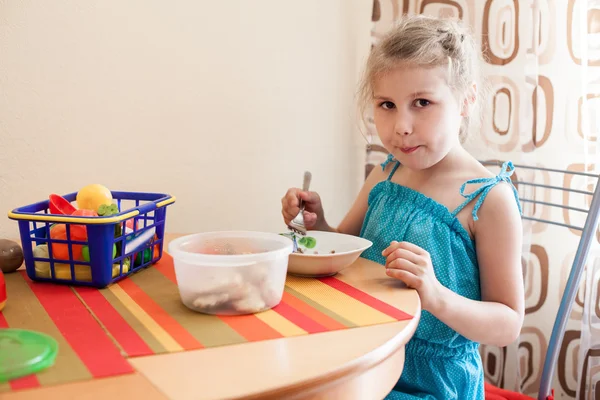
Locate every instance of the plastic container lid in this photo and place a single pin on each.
(211, 248)
(24, 352)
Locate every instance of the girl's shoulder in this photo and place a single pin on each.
(495, 191)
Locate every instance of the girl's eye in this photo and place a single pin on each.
(420, 103)
(387, 105)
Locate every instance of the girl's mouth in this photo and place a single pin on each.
(408, 150)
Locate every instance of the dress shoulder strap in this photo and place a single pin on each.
(390, 158)
(486, 185)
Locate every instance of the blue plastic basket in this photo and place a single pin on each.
(113, 249)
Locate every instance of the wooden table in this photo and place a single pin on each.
(358, 363)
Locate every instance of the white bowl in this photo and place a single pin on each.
(231, 273)
(319, 261)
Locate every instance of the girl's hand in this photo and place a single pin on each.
(313, 209)
(412, 265)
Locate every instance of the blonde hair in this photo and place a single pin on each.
(428, 42)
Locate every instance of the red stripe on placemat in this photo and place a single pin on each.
(79, 328)
(365, 298)
(165, 266)
(251, 327)
(25, 382)
(293, 315)
(158, 314)
(124, 334)
(313, 313)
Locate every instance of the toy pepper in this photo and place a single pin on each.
(11, 258)
(2, 291)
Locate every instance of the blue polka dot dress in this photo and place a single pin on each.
(440, 363)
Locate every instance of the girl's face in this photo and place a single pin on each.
(417, 116)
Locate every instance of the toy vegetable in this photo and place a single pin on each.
(11, 256)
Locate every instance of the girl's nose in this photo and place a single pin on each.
(403, 125)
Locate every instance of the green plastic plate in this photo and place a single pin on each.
(24, 352)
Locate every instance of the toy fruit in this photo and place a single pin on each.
(42, 268)
(60, 205)
(106, 211)
(91, 197)
(147, 254)
(117, 267)
(85, 213)
(60, 251)
(3, 296)
(61, 270)
(11, 256)
(85, 253)
(156, 251)
(80, 231)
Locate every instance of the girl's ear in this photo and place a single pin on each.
(469, 100)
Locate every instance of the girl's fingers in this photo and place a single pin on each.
(287, 217)
(309, 218)
(387, 251)
(412, 247)
(405, 265)
(394, 245)
(406, 277)
(403, 254)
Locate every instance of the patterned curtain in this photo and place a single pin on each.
(543, 64)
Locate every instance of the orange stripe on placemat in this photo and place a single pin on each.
(366, 298)
(116, 325)
(166, 267)
(158, 314)
(84, 334)
(313, 313)
(251, 327)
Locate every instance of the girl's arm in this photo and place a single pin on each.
(314, 216)
(497, 319)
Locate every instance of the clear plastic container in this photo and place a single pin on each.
(232, 272)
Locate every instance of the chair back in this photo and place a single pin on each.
(527, 188)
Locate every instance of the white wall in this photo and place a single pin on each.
(220, 103)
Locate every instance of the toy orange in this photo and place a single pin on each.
(60, 251)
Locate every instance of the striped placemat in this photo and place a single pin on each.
(98, 330)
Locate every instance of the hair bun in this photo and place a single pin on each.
(450, 40)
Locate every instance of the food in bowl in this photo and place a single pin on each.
(308, 242)
(331, 253)
(231, 273)
(300, 251)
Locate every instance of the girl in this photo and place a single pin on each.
(439, 220)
